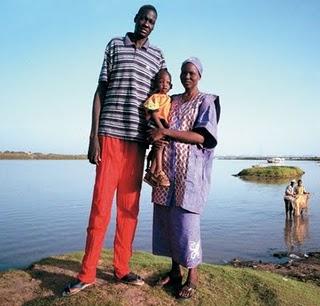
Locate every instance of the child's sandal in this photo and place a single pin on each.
(162, 179)
(150, 179)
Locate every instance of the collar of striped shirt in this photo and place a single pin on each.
(129, 42)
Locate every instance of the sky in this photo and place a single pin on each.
(260, 57)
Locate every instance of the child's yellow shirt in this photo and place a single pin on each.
(161, 103)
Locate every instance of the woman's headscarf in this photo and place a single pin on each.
(194, 61)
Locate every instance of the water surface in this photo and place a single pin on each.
(44, 208)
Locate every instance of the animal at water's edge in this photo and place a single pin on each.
(300, 204)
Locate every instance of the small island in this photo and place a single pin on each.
(271, 172)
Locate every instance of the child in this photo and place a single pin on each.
(158, 108)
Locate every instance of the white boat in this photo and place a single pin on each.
(275, 160)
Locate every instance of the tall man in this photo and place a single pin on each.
(117, 146)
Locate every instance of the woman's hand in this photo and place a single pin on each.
(94, 151)
(155, 135)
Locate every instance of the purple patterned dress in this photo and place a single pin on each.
(176, 219)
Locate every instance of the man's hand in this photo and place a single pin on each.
(94, 151)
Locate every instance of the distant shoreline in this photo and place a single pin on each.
(13, 155)
(294, 158)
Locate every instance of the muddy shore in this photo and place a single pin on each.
(303, 267)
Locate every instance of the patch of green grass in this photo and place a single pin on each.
(218, 285)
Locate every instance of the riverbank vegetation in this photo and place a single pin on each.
(43, 282)
(271, 172)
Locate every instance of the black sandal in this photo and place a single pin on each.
(75, 287)
(187, 291)
(170, 279)
(131, 279)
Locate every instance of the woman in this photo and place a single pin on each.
(187, 160)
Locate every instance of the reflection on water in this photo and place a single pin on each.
(296, 231)
(267, 180)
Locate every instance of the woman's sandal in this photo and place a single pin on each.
(170, 280)
(75, 287)
(187, 291)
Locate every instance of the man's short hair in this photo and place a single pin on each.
(147, 7)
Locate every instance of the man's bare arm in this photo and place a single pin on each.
(94, 146)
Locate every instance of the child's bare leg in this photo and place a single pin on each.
(158, 159)
(153, 165)
(162, 178)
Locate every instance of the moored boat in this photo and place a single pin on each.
(275, 160)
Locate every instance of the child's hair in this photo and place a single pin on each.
(158, 76)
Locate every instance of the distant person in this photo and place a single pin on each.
(158, 108)
(117, 146)
(299, 189)
(289, 196)
(187, 160)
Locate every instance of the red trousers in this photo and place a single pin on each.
(120, 170)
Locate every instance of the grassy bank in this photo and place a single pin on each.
(219, 285)
(271, 172)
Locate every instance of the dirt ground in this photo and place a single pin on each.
(306, 268)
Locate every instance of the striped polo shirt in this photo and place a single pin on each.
(129, 73)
